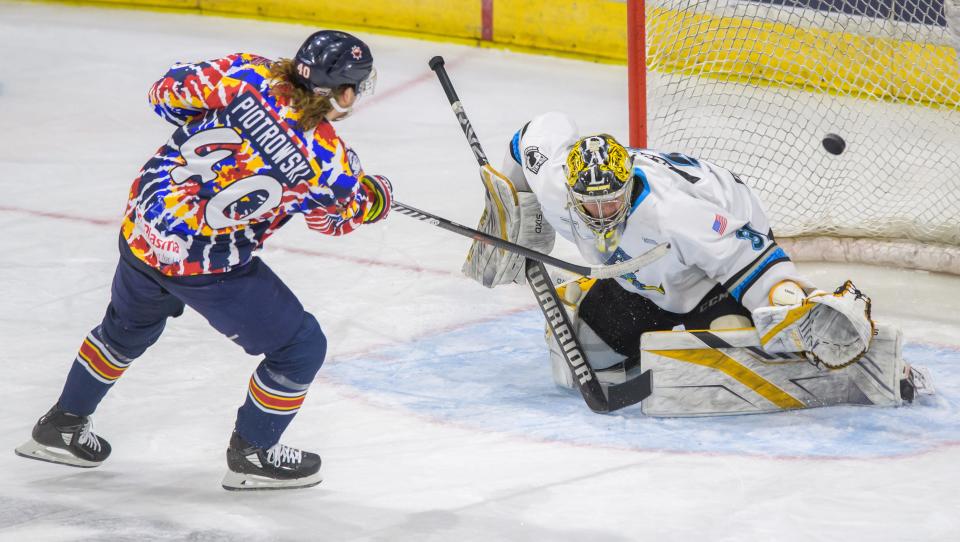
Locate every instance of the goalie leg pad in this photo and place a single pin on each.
(598, 352)
(711, 373)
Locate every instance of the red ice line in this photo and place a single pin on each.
(295, 250)
(61, 216)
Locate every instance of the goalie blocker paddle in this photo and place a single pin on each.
(599, 398)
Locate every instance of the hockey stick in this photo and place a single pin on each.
(436, 64)
(600, 272)
(599, 397)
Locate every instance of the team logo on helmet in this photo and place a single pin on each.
(357, 52)
(597, 164)
(599, 187)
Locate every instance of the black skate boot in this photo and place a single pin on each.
(915, 383)
(280, 467)
(68, 439)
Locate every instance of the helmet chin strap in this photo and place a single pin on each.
(347, 111)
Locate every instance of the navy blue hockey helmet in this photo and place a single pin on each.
(329, 59)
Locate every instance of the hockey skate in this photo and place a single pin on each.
(916, 382)
(279, 467)
(68, 439)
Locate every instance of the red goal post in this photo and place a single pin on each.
(758, 86)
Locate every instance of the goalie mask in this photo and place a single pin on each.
(599, 186)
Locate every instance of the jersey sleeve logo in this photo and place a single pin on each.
(719, 224)
(620, 255)
(354, 162)
(756, 239)
(533, 159)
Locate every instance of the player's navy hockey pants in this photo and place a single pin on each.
(249, 305)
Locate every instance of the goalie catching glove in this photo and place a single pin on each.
(511, 215)
(379, 193)
(836, 329)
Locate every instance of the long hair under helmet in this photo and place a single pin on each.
(330, 59)
(599, 176)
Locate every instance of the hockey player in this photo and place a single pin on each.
(725, 269)
(254, 146)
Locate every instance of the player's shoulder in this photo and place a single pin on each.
(544, 138)
(226, 62)
(326, 132)
(253, 68)
(550, 130)
(327, 146)
(254, 59)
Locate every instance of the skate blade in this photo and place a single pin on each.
(34, 450)
(922, 382)
(235, 481)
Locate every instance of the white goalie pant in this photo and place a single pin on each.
(710, 373)
(600, 354)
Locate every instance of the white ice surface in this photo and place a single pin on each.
(434, 412)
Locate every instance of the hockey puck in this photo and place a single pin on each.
(834, 143)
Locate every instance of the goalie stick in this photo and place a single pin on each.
(601, 398)
(600, 272)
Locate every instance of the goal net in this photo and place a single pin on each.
(757, 86)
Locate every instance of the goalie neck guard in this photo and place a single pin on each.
(599, 185)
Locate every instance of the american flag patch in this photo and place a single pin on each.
(719, 224)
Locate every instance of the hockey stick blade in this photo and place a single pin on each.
(631, 265)
(630, 392)
(603, 271)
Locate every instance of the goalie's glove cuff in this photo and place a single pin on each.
(379, 193)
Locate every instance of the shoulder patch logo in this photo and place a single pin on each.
(621, 255)
(756, 239)
(719, 224)
(354, 162)
(533, 159)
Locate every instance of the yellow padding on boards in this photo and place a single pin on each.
(453, 18)
(809, 58)
(427, 16)
(735, 370)
(593, 27)
(737, 49)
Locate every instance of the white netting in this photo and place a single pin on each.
(756, 87)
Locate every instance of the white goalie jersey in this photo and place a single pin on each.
(714, 223)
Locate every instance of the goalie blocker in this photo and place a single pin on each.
(513, 214)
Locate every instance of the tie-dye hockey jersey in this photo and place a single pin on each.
(235, 170)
